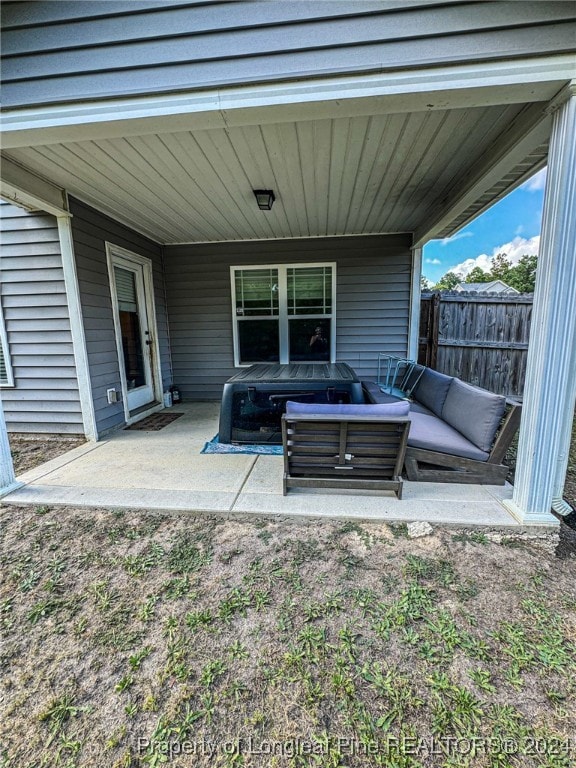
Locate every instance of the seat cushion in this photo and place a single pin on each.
(474, 412)
(432, 434)
(432, 389)
(416, 407)
(390, 410)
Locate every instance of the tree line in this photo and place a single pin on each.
(521, 276)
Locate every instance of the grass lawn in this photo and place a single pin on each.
(139, 639)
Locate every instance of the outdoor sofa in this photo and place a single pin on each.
(458, 433)
(445, 431)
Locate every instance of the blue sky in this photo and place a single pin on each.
(511, 226)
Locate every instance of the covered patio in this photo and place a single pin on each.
(165, 470)
(368, 158)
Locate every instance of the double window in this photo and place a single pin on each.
(6, 378)
(284, 313)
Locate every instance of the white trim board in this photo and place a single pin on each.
(448, 87)
(77, 328)
(8, 480)
(415, 291)
(5, 352)
(29, 190)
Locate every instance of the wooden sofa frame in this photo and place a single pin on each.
(340, 451)
(432, 466)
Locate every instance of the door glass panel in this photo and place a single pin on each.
(130, 327)
(310, 339)
(309, 290)
(259, 341)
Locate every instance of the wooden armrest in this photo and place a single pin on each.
(507, 431)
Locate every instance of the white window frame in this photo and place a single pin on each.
(283, 316)
(6, 353)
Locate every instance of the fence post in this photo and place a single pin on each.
(434, 329)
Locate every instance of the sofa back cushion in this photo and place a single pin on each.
(432, 389)
(430, 433)
(474, 412)
(389, 410)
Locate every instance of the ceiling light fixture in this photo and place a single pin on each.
(265, 198)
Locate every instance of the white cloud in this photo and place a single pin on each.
(457, 236)
(432, 261)
(537, 182)
(514, 251)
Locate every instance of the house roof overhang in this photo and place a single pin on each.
(420, 151)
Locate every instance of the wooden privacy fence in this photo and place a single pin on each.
(481, 338)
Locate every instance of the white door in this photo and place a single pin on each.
(133, 331)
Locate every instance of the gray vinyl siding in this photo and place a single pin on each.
(45, 396)
(372, 301)
(91, 230)
(61, 52)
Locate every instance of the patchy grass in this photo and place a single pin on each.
(139, 639)
(29, 451)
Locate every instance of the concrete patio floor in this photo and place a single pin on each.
(165, 470)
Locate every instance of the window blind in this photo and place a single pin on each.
(126, 290)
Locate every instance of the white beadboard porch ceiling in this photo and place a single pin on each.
(352, 175)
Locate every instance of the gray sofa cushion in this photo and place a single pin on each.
(474, 412)
(416, 407)
(390, 410)
(432, 389)
(433, 434)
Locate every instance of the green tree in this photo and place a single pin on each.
(448, 282)
(477, 275)
(523, 275)
(424, 283)
(500, 268)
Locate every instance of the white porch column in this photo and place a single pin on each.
(7, 479)
(77, 327)
(550, 388)
(416, 290)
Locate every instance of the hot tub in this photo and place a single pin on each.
(254, 400)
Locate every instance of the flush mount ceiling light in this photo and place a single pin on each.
(265, 198)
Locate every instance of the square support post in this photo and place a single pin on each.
(550, 389)
(8, 481)
(415, 296)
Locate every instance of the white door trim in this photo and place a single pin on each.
(113, 251)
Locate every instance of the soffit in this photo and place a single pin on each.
(346, 175)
